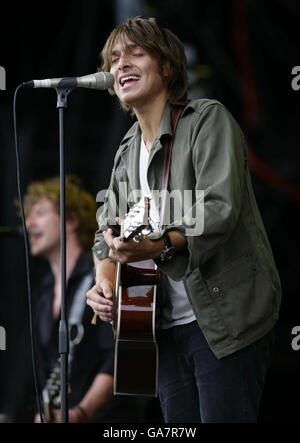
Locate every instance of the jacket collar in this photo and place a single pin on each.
(130, 144)
(165, 124)
(164, 128)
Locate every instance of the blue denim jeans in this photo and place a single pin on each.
(196, 387)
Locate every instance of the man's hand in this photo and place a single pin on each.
(130, 251)
(75, 416)
(99, 298)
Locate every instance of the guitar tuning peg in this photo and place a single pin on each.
(138, 238)
(146, 231)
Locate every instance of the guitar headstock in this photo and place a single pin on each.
(136, 223)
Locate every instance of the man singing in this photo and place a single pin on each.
(220, 291)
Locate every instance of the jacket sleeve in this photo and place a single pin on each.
(107, 213)
(219, 158)
(218, 161)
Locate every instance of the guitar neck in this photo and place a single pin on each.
(122, 231)
(118, 264)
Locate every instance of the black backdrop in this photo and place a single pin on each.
(240, 52)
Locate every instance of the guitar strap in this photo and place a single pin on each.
(174, 120)
(79, 300)
(52, 387)
(76, 313)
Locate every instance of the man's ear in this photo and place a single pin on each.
(165, 69)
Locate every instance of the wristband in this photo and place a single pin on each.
(168, 252)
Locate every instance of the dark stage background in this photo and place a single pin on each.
(240, 52)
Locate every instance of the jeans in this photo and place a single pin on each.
(196, 387)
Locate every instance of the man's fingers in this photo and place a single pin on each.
(99, 295)
(106, 289)
(100, 289)
(114, 243)
(99, 298)
(108, 237)
(104, 311)
(101, 310)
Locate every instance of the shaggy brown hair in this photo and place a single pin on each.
(159, 42)
(79, 204)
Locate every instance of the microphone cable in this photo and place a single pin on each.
(26, 254)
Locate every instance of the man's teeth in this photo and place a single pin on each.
(130, 77)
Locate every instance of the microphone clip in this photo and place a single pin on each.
(63, 89)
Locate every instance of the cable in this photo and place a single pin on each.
(26, 255)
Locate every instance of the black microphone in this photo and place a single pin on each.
(99, 80)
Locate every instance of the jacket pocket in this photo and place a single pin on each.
(243, 295)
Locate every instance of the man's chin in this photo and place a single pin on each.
(36, 252)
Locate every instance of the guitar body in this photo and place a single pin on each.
(136, 354)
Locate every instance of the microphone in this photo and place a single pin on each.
(99, 80)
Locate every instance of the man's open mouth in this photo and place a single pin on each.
(35, 236)
(129, 79)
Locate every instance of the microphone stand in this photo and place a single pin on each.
(63, 90)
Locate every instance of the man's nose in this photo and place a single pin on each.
(124, 61)
(29, 222)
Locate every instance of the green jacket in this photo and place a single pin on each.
(229, 272)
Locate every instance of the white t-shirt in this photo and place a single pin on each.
(175, 308)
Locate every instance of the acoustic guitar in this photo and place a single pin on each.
(136, 354)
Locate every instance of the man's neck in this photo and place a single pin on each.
(149, 118)
(73, 252)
